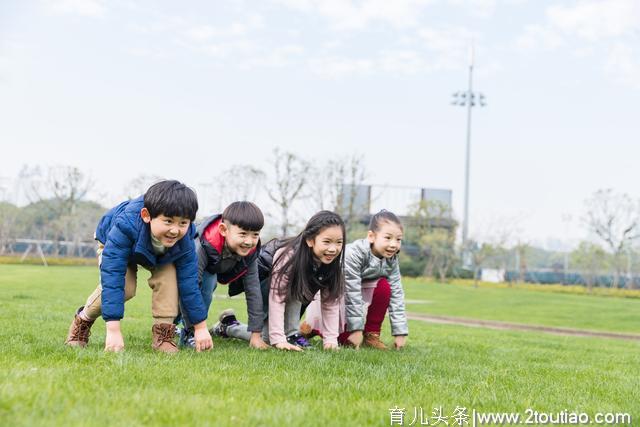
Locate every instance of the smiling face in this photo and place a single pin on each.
(327, 244)
(237, 239)
(385, 242)
(167, 229)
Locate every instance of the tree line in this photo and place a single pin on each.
(59, 209)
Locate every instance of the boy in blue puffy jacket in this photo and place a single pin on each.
(147, 231)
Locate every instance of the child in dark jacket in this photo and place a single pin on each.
(291, 272)
(228, 246)
(155, 231)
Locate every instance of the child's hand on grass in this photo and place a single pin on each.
(202, 337)
(399, 341)
(114, 341)
(256, 341)
(287, 346)
(355, 338)
(331, 346)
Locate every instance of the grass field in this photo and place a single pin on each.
(525, 306)
(44, 383)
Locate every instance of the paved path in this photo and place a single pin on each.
(492, 324)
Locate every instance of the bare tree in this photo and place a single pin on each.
(9, 215)
(336, 185)
(30, 181)
(68, 185)
(290, 180)
(240, 182)
(615, 219)
(55, 195)
(140, 184)
(348, 179)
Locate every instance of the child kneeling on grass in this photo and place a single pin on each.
(227, 246)
(155, 231)
(373, 285)
(292, 271)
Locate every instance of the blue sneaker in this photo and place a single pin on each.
(300, 341)
(226, 318)
(186, 338)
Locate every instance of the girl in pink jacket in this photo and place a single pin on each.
(308, 263)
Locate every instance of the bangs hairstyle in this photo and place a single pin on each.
(245, 215)
(383, 216)
(300, 266)
(171, 198)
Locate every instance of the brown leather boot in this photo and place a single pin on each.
(163, 338)
(372, 339)
(79, 331)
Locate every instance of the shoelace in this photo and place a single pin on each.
(166, 335)
(82, 331)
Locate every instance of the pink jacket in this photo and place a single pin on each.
(330, 310)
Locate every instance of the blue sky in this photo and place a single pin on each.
(186, 89)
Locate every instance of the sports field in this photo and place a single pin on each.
(444, 367)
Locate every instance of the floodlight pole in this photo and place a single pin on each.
(467, 99)
(465, 226)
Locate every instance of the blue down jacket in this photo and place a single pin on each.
(127, 240)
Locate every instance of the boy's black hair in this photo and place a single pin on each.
(383, 216)
(245, 215)
(171, 198)
(299, 267)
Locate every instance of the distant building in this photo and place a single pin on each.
(365, 200)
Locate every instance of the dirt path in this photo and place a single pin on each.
(492, 324)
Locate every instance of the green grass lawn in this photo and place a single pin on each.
(44, 383)
(524, 306)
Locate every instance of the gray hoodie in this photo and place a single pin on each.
(360, 264)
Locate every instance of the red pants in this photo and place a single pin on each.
(377, 310)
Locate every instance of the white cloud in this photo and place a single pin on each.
(403, 61)
(594, 20)
(334, 67)
(204, 33)
(624, 65)
(278, 57)
(482, 8)
(447, 39)
(147, 52)
(357, 15)
(449, 46)
(539, 37)
(93, 8)
(226, 49)
(608, 29)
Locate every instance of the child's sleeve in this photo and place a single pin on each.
(354, 310)
(202, 259)
(188, 289)
(277, 296)
(253, 294)
(330, 320)
(397, 313)
(113, 267)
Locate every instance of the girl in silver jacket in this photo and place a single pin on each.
(373, 287)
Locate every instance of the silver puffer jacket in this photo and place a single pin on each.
(360, 264)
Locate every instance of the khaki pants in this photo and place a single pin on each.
(164, 298)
